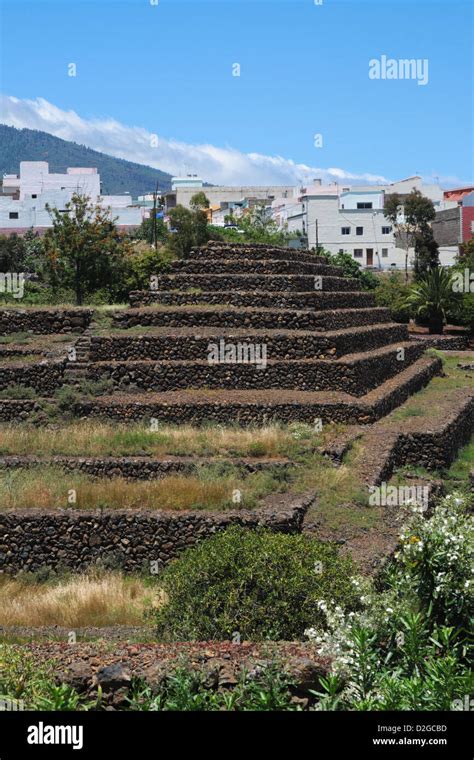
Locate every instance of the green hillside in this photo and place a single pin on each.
(117, 175)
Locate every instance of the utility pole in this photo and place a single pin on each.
(155, 194)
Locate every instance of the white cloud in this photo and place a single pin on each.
(213, 164)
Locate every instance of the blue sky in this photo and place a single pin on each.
(166, 70)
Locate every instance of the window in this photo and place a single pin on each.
(34, 195)
(345, 230)
(358, 253)
(341, 250)
(13, 215)
(384, 253)
(364, 205)
(359, 230)
(386, 230)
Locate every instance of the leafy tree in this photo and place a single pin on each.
(83, 250)
(463, 313)
(145, 231)
(21, 253)
(255, 226)
(426, 251)
(410, 216)
(199, 201)
(143, 262)
(466, 254)
(189, 228)
(433, 296)
(12, 253)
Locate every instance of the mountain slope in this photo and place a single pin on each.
(117, 175)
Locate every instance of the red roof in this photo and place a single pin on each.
(457, 194)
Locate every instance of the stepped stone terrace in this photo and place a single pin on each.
(312, 344)
(238, 335)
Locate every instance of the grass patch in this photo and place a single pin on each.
(464, 464)
(49, 487)
(91, 600)
(91, 438)
(18, 337)
(423, 402)
(212, 486)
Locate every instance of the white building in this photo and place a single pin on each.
(25, 197)
(183, 189)
(352, 220)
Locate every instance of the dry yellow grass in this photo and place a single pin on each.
(102, 439)
(50, 488)
(77, 602)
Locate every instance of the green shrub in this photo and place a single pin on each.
(392, 293)
(261, 584)
(18, 392)
(351, 268)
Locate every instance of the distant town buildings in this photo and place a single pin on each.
(24, 198)
(338, 217)
(183, 189)
(351, 219)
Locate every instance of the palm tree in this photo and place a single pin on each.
(432, 296)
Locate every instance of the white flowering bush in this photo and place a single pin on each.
(406, 648)
(437, 556)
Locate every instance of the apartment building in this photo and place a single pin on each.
(352, 219)
(25, 197)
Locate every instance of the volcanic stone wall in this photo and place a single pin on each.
(44, 321)
(261, 318)
(75, 540)
(374, 406)
(258, 251)
(259, 298)
(443, 342)
(278, 283)
(16, 409)
(142, 468)
(355, 377)
(437, 447)
(44, 377)
(236, 266)
(283, 346)
(298, 320)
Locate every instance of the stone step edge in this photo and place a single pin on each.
(346, 359)
(397, 447)
(376, 404)
(188, 308)
(362, 410)
(189, 331)
(140, 467)
(269, 512)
